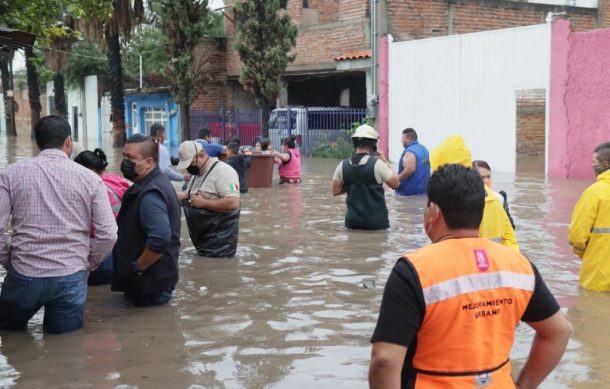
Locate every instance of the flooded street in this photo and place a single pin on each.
(291, 310)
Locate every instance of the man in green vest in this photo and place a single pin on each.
(362, 177)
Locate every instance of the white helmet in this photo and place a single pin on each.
(366, 132)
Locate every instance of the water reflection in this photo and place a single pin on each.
(290, 309)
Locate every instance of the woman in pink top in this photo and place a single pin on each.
(116, 186)
(290, 162)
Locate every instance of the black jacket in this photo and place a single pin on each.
(132, 239)
(240, 163)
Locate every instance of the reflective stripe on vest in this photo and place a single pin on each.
(601, 230)
(475, 292)
(476, 283)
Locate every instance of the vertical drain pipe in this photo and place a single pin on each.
(372, 99)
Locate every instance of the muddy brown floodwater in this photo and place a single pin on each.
(290, 310)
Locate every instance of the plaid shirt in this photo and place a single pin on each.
(53, 205)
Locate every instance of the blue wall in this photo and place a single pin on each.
(153, 100)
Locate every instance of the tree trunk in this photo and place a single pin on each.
(8, 101)
(61, 108)
(115, 78)
(33, 88)
(265, 117)
(186, 121)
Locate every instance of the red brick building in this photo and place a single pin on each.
(333, 52)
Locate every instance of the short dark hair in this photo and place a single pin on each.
(148, 146)
(204, 132)
(95, 160)
(410, 133)
(603, 152)
(481, 164)
(265, 144)
(51, 132)
(460, 194)
(155, 129)
(364, 142)
(290, 141)
(233, 147)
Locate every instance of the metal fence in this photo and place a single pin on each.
(314, 128)
(228, 124)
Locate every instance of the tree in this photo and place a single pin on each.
(124, 17)
(86, 59)
(184, 23)
(263, 39)
(147, 41)
(41, 17)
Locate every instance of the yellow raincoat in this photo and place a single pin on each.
(495, 224)
(589, 234)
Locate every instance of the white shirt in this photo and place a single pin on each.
(165, 164)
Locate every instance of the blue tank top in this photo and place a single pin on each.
(417, 183)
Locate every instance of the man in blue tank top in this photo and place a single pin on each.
(414, 166)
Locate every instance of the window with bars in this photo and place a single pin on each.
(154, 115)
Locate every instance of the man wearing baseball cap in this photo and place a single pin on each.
(362, 177)
(211, 202)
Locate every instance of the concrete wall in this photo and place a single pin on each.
(579, 99)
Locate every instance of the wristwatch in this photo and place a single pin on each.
(136, 268)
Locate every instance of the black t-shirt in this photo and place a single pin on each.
(403, 306)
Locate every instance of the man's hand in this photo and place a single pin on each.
(187, 177)
(198, 201)
(381, 156)
(182, 196)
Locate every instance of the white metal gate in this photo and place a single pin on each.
(466, 84)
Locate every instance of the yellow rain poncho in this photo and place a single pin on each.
(589, 234)
(495, 224)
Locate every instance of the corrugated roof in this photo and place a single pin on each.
(361, 54)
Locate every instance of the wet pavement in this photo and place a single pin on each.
(297, 305)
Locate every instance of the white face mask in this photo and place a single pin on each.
(430, 225)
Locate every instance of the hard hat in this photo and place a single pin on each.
(366, 131)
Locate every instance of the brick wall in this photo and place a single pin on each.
(415, 19)
(531, 122)
(23, 118)
(211, 56)
(343, 26)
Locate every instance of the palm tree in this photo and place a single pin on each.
(125, 16)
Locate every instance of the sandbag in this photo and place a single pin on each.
(452, 150)
(213, 234)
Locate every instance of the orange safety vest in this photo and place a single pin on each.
(475, 292)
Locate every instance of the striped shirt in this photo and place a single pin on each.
(52, 205)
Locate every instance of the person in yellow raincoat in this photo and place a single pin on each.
(496, 224)
(589, 232)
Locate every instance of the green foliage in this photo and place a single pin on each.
(263, 38)
(342, 148)
(148, 41)
(184, 23)
(86, 59)
(216, 25)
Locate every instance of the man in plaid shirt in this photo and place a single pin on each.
(62, 226)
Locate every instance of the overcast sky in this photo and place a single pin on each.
(19, 62)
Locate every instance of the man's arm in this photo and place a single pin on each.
(337, 188)
(386, 365)
(408, 166)
(5, 212)
(174, 175)
(386, 174)
(154, 218)
(549, 344)
(583, 219)
(104, 225)
(223, 205)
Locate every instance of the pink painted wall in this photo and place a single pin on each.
(579, 99)
(383, 88)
